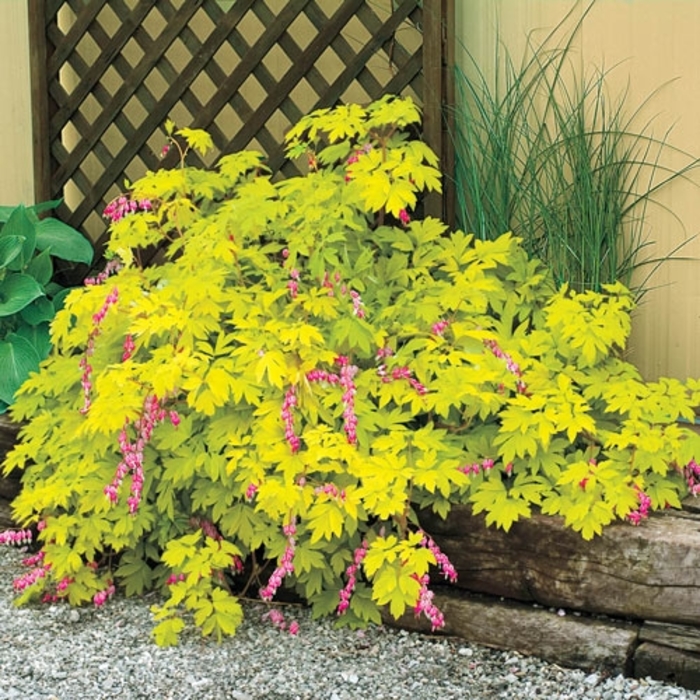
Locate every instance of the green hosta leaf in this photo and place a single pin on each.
(45, 206)
(39, 336)
(63, 241)
(41, 310)
(18, 358)
(16, 292)
(20, 225)
(5, 213)
(10, 248)
(41, 268)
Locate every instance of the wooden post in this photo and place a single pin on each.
(438, 95)
(40, 100)
(16, 175)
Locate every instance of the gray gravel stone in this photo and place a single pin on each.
(55, 653)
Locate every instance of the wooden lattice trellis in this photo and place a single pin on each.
(108, 73)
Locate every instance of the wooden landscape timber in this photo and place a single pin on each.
(627, 601)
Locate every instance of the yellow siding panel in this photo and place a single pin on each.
(647, 44)
(16, 173)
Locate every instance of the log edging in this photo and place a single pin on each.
(626, 602)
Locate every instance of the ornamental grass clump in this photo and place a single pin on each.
(555, 158)
(307, 369)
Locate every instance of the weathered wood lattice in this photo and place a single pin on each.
(108, 73)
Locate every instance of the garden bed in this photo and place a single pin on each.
(627, 601)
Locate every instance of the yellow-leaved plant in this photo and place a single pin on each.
(307, 367)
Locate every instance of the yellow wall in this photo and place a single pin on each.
(16, 170)
(654, 42)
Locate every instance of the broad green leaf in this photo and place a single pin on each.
(17, 291)
(41, 268)
(19, 225)
(63, 241)
(39, 336)
(18, 358)
(10, 248)
(41, 310)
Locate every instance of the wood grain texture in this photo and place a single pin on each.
(570, 641)
(651, 572)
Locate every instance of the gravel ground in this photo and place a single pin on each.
(58, 653)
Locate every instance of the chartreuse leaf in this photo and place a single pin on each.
(502, 508)
(221, 614)
(167, 632)
(326, 521)
(293, 372)
(197, 138)
(396, 587)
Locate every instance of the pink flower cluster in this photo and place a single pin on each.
(132, 452)
(123, 205)
(39, 571)
(16, 537)
(330, 490)
(511, 365)
(636, 516)
(692, 476)
(288, 405)
(403, 373)
(174, 578)
(346, 379)
(60, 591)
(404, 217)
(113, 266)
(439, 327)
(443, 562)
(128, 347)
(236, 566)
(293, 284)
(347, 382)
(426, 606)
(34, 559)
(354, 157)
(101, 597)
(320, 375)
(351, 572)
(276, 617)
(251, 491)
(486, 465)
(97, 319)
(285, 567)
(327, 284)
(357, 304)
